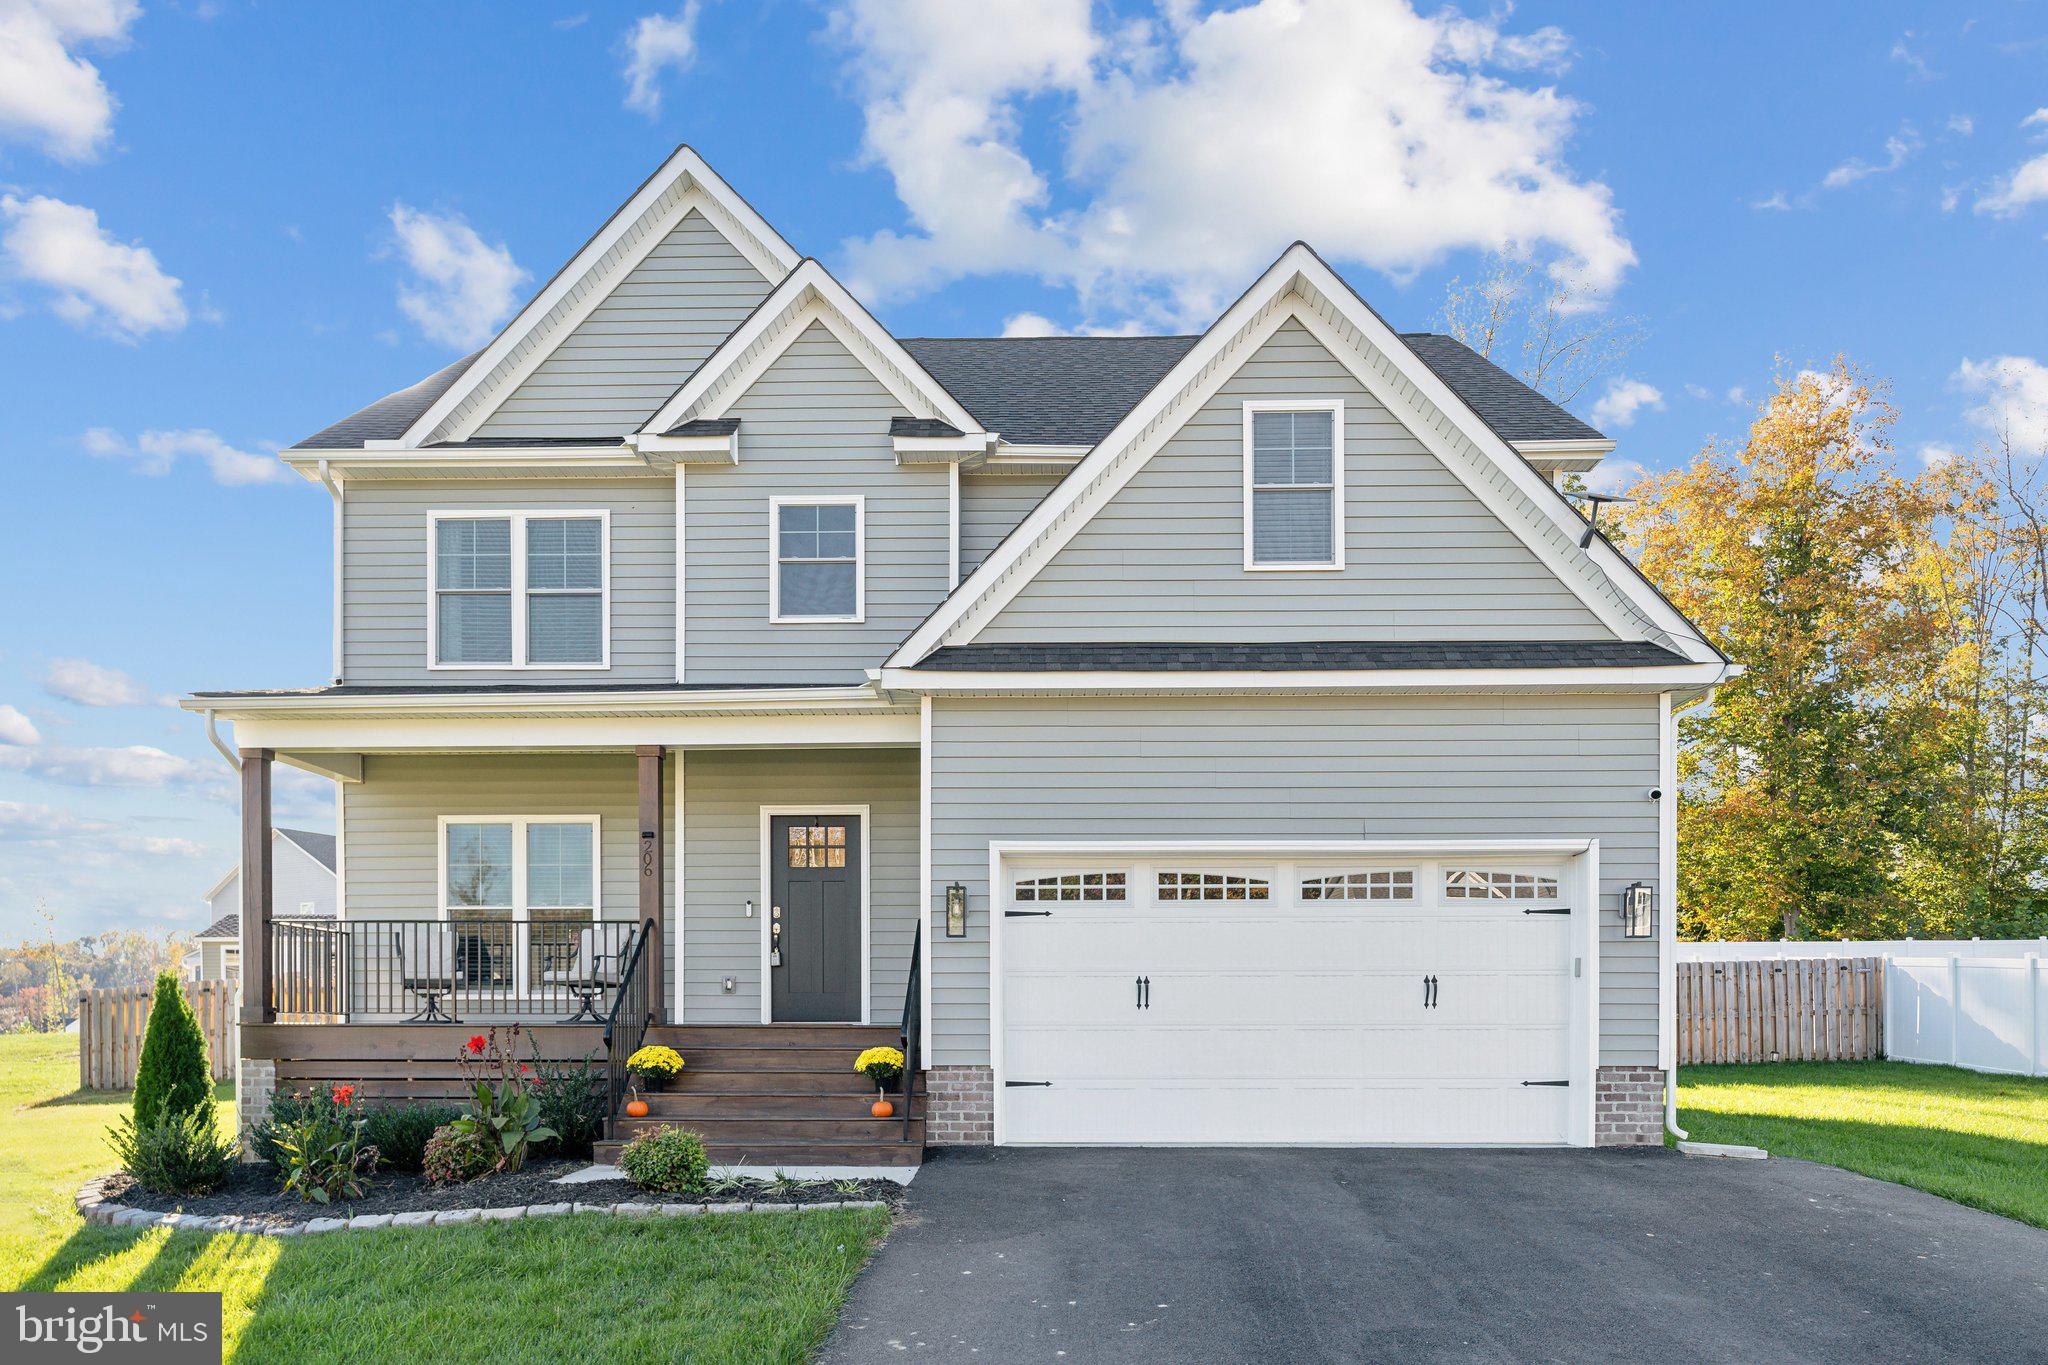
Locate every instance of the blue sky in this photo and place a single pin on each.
(212, 215)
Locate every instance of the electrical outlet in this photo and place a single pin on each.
(731, 984)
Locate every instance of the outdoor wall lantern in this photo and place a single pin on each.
(956, 911)
(1638, 910)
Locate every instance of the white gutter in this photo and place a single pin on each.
(458, 703)
(1670, 944)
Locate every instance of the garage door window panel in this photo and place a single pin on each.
(1072, 887)
(1488, 884)
(1377, 884)
(1212, 886)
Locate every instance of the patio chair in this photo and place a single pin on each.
(428, 971)
(588, 975)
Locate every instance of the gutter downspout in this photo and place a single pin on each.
(334, 492)
(234, 760)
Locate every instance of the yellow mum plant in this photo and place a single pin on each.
(882, 1065)
(655, 1062)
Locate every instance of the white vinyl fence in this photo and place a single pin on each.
(1984, 1013)
(1771, 950)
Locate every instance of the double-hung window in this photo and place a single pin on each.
(1294, 485)
(519, 889)
(519, 590)
(817, 555)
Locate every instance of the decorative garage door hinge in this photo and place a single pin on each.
(1013, 1085)
(1025, 914)
(1549, 910)
(1546, 1082)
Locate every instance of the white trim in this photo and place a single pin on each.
(336, 524)
(859, 503)
(519, 590)
(952, 527)
(654, 700)
(1564, 448)
(682, 615)
(1582, 854)
(1545, 524)
(1651, 679)
(721, 449)
(867, 863)
(755, 239)
(939, 449)
(807, 294)
(677, 922)
(522, 913)
(893, 727)
(340, 850)
(1338, 454)
(1667, 884)
(924, 876)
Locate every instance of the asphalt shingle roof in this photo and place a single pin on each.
(1515, 411)
(1298, 656)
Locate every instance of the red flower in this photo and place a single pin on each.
(342, 1094)
(476, 1044)
(525, 1070)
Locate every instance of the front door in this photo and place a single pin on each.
(814, 912)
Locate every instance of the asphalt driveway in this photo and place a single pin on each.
(1319, 1254)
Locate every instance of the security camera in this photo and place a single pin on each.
(1655, 793)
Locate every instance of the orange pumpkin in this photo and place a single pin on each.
(636, 1108)
(881, 1109)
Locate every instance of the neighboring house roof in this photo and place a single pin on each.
(317, 846)
(1033, 391)
(229, 926)
(1302, 656)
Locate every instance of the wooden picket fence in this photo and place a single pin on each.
(111, 1025)
(1804, 1009)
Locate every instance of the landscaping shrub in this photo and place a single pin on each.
(400, 1132)
(667, 1161)
(572, 1098)
(455, 1156)
(323, 1156)
(177, 1154)
(174, 1076)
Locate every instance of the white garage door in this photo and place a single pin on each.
(1229, 1000)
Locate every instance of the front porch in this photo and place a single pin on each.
(754, 904)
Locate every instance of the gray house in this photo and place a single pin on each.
(302, 887)
(1232, 738)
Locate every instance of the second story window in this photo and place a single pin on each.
(518, 590)
(1293, 485)
(817, 552)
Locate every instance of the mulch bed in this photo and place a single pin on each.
(252, 1192)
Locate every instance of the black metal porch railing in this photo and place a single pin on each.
(436, 971)
(627, 1025)
(913, 1023)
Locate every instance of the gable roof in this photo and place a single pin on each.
(1049, 390)
(1516, 412)
(808, 294)
(391, 416)
(1301, 285)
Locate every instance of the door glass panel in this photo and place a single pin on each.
(817, 845)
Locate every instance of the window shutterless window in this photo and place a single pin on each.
(817, 559)
(519, 889)
(1294, 484)
(520, 590)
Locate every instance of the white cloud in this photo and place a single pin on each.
(1624, 399)
(2012, 398)
(16, 728)
(1612, 475)
(1699, 391)
(1039, 325)
(1776, 202)
(657, 43)
(136, 765)
(2010, 195)
(1898, 149)
(1962, 125)
(1737, 395)
(1197, 145)
(47, 827)
(49, 95)
(1911, 60)
(154, 452)
(94, 280)
(462, 287)
(1935, 454)
(90, 684)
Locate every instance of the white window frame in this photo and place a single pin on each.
(522, 913)
(520, 597)
(1335, 407)
(859, 503)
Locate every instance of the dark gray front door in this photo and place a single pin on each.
(814, 918)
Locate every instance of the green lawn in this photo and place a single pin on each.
(1979, 1140)
(751, 1287)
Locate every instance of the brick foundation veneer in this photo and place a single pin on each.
(960, 1106)
(1628, 1106)
(255, 1082)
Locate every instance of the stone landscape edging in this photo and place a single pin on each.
(95, 1206)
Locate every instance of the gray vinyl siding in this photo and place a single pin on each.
(724, 791)
(297, 879)
(1164, 559)
(815, 422)
(1293, 768)
(638, 346)
(384, 575)
(991, 505)
(213, 961)
(392, 823)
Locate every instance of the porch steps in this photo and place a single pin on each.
(767, 1094)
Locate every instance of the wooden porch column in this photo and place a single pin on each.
(256, 1008)
(653, 861)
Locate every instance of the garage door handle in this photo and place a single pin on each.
(1429, 992)
(1144, 989)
